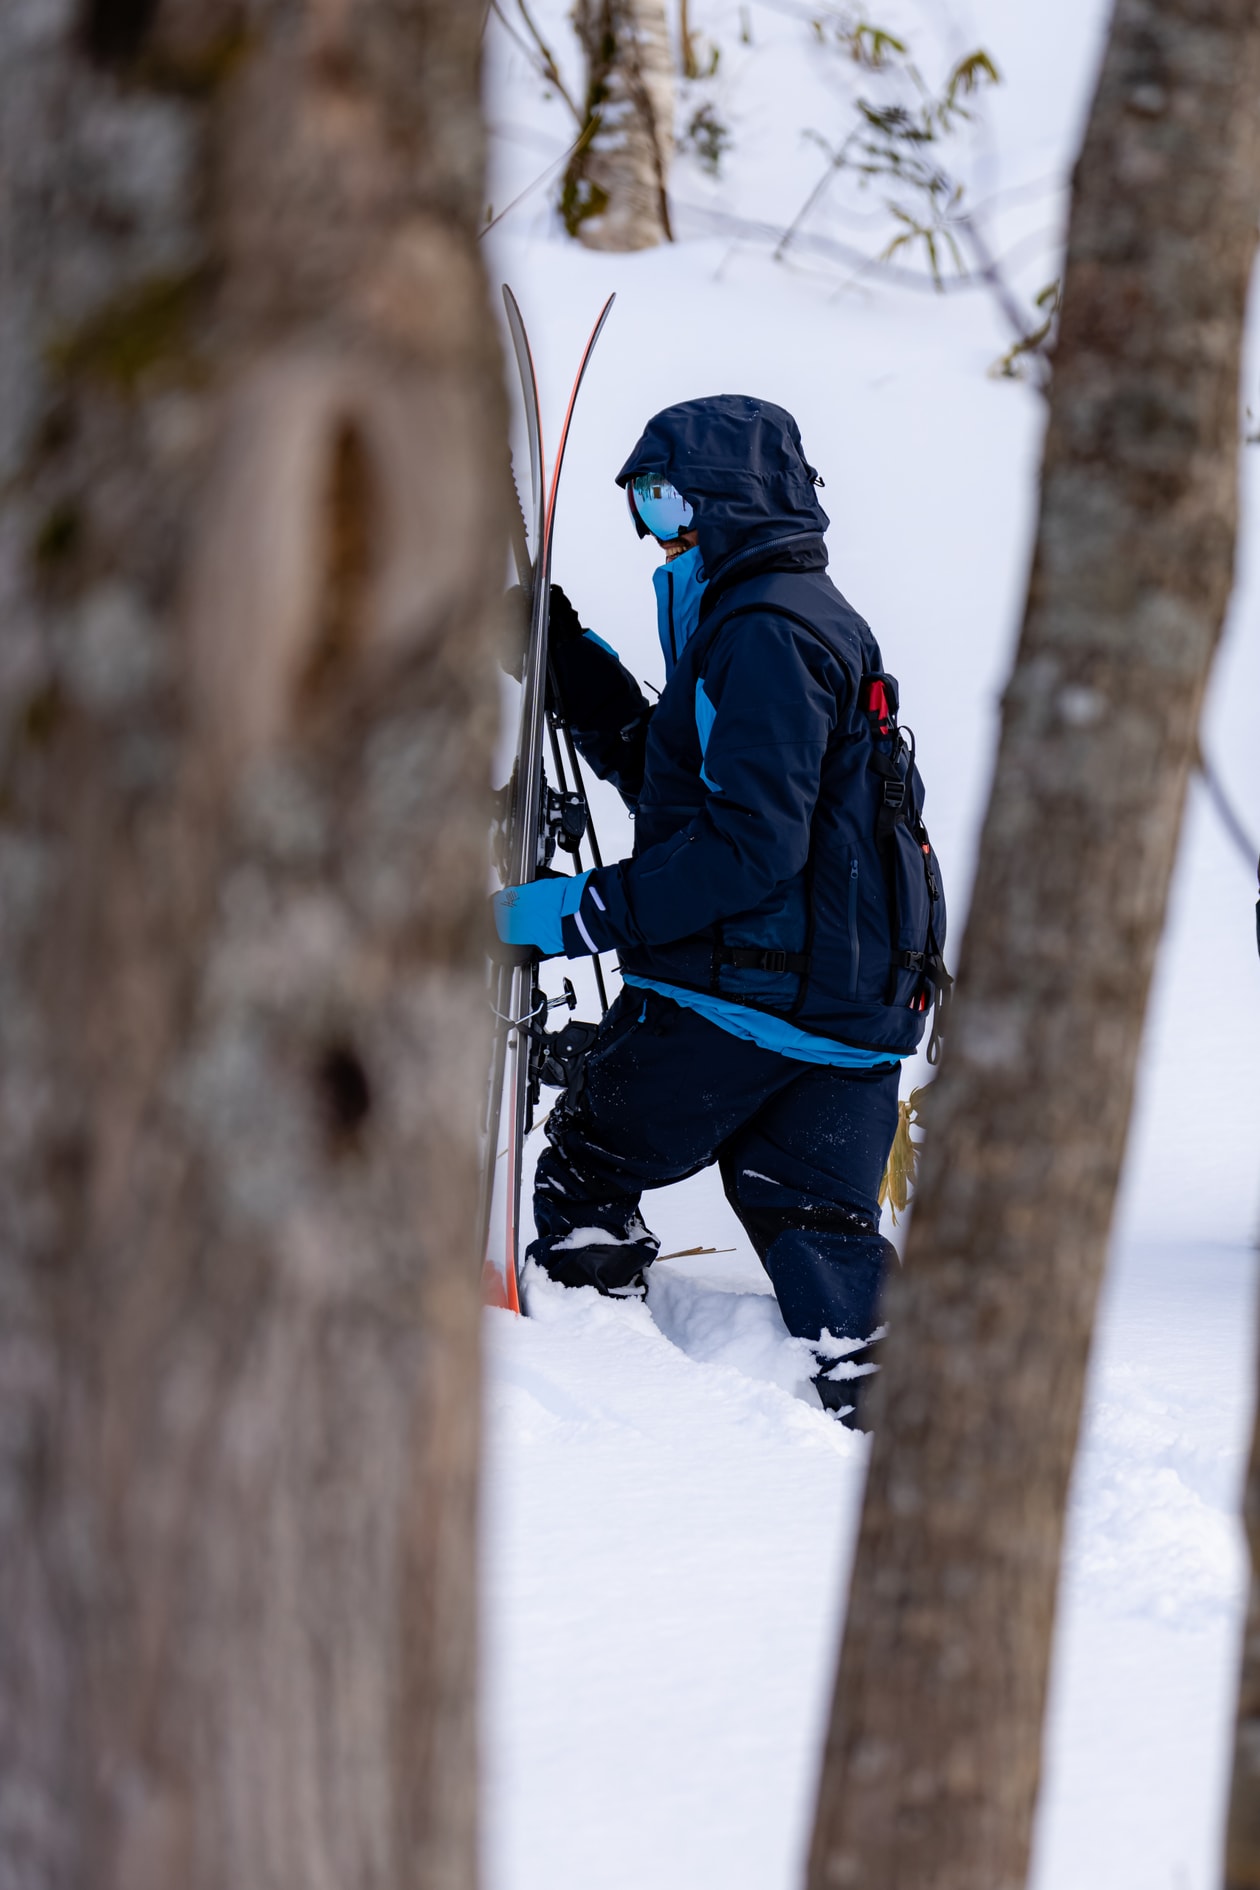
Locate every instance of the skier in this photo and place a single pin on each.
(780, 921)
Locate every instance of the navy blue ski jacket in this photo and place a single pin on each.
(780, 859)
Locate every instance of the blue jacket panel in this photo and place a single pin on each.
(779, 860)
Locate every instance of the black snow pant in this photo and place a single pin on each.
(801, 1148)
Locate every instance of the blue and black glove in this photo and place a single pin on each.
(528, 918)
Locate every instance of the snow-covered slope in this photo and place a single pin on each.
(668, 1519)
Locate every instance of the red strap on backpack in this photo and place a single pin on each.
(874, 701)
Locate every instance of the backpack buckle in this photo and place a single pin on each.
(774, 960)
(895, 795)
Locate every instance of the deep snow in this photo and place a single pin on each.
(668, 1520)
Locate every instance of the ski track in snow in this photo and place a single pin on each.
(668, 1516)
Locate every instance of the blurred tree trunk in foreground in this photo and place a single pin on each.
(250, 551)
(931, 1768)
(615, 193)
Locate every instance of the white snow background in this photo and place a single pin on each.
(668, 1517)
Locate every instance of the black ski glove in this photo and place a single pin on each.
(563, 627)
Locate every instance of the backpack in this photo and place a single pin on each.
(917, 976)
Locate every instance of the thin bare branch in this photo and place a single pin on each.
(583, 138)
(539, 54)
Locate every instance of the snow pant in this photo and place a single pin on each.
(801, 1148)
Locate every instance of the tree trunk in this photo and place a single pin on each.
(250, 545)
(1242, 1835)
(931, 1766)
(615, 193)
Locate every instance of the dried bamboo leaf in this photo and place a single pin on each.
(903, 1161)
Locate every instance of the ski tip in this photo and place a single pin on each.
(600, 322)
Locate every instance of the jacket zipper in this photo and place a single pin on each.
(855, 943)
(673, 640)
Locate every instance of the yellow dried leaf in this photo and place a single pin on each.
(903, 1158)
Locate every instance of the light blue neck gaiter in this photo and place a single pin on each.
(679, 586)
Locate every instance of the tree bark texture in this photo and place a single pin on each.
(615, 193)
(250, 549)
(1242, 1832)
(931, 1765)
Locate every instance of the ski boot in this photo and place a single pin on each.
(843, 1391)
(614, 1262)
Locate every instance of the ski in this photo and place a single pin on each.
(499, 1287)
(534, 827)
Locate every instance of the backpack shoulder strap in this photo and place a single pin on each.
(723, 617)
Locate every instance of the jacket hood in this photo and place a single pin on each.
(740, 463)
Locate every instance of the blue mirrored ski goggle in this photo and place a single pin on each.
(657, 507)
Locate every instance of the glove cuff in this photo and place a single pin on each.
(586, 929)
